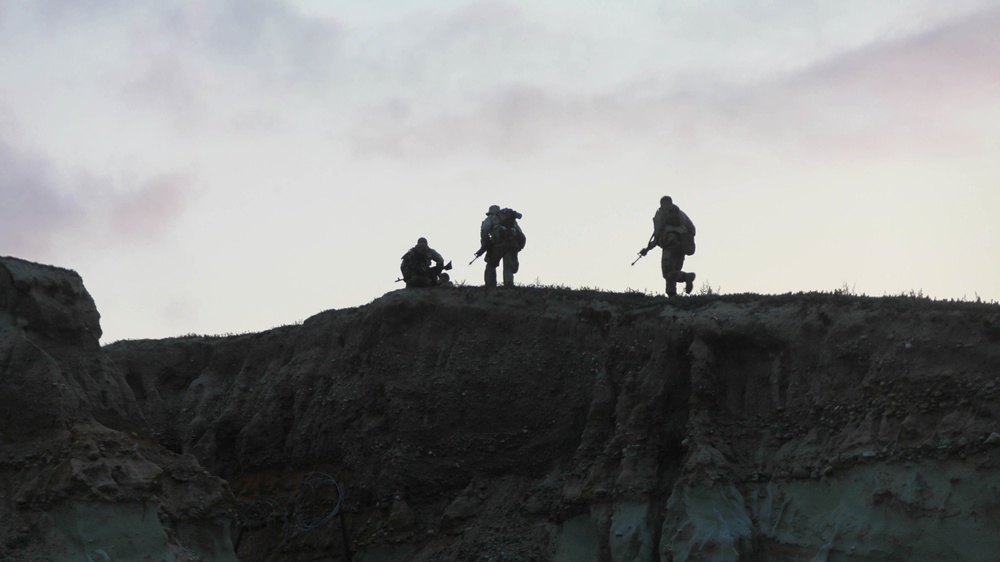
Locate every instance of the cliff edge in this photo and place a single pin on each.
(542, 424)
(539, 424)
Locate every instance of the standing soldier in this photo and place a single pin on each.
(674, 232)
(501, 238)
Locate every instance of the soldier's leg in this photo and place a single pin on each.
(418, 281)
(686, 278)
(510, 266)
(669, 272)
(492, 259)
(672, 284)
(688, 282)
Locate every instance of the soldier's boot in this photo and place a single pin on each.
(688, 283)
(672, 279)
(671, 288)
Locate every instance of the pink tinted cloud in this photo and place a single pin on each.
(33, 205)
(57, 14)
(515, 120)
(483, 18)
(147, 212)
(917, 94)
(507, 122)
(37, 208)
(954, 64)
(924, 94)
(172, 82)
(269, 39)
(194, 56)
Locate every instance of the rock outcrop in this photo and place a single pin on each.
(81, 477)
(515, 425)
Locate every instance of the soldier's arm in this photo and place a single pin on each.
(657, 225)
(656, 229)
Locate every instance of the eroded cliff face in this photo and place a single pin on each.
(79, 477)
(533, 424)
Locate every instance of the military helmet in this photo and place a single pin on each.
(494, 209)
(421, 241)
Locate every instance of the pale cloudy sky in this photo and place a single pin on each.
(235, 165)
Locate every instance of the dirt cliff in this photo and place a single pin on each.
(80, 478)
(558, 425)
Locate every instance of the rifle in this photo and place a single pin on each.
(434, 272)
(644, 251)
(479, 252)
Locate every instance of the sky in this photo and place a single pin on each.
(230, 166)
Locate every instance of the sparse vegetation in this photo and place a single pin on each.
(846, 290)
(643, 292)
(537, 284)
(707, 290)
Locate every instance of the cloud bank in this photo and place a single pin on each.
(41, 208)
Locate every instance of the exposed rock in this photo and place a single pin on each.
(401, 517)
(76, 485)
(635, 428)
(556, 425)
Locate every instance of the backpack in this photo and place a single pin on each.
(415, 262)
(505, 231)
(687, 245)
(673, 232)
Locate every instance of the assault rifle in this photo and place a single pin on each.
(481, 251)
(644, 251)
(434, 272)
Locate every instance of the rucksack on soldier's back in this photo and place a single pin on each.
(508, 217)
(687, 244)
(677, 222)
(506, 230)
